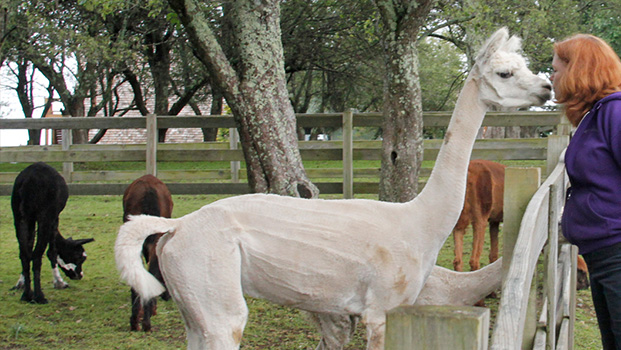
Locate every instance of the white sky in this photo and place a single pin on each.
(10, 108)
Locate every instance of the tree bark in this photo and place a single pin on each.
(24, 94)
(402, 145)
(256, 92)
(211, 134)
(158, 54)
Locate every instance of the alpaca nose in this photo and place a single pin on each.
(548, 87)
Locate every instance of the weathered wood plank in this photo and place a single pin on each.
(151, 147)
(74, 123)
(430, 119)
(198, 175)
(348, 155)
(437, 327)
(91, 189)
(199, 155)
(57, 155)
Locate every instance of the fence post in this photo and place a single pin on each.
(66, 141)
(551, 261)
(437, 328)
(348, 154)
(151, 157)
(233, 140)
(556, 145)
(564, 127)
(520, 186)
(572, 297)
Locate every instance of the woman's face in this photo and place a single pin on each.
(558, 69)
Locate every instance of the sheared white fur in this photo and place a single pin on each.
(338, 259)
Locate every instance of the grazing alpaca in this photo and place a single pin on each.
(483, 204)
(147, 195)
(39, 195)
(338, 259)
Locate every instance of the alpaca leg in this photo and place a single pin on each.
(148, 311)
(134, 319)
(493, 241)
(213, 320)
(458, 238)
(211, 326)
(45, 233)
(25, 230)
(478, 240)
(376, 329)
(336, 330)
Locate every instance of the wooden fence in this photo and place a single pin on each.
(225, 181)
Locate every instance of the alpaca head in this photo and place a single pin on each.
(504, 79)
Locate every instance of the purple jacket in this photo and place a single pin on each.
(592, 214)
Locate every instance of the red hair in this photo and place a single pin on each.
(593, 72)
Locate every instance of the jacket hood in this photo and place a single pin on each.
(613, 96)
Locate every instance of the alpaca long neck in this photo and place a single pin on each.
(446, 188)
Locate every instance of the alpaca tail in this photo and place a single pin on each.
(128, 249)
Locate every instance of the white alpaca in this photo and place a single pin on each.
(338, 259)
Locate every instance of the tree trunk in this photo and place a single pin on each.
(24, 93)
(76, 109)
(211, 134)
(402, 146)
(158, 54)
(257, 93)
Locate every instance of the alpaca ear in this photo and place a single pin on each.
(514, 44)
(84, 241)
(496, 41)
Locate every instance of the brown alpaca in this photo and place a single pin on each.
(147, 195)
(483, 205)
(583, 275)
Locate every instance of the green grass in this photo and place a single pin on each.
(94, 312)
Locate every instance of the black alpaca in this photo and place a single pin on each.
(39, 195)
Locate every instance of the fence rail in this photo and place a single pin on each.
(352, 180)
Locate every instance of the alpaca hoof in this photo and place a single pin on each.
(60, 285)
(39, 300)
(27, 298)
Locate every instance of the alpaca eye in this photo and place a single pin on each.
(505, 75)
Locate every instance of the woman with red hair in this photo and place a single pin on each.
(587, 82)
